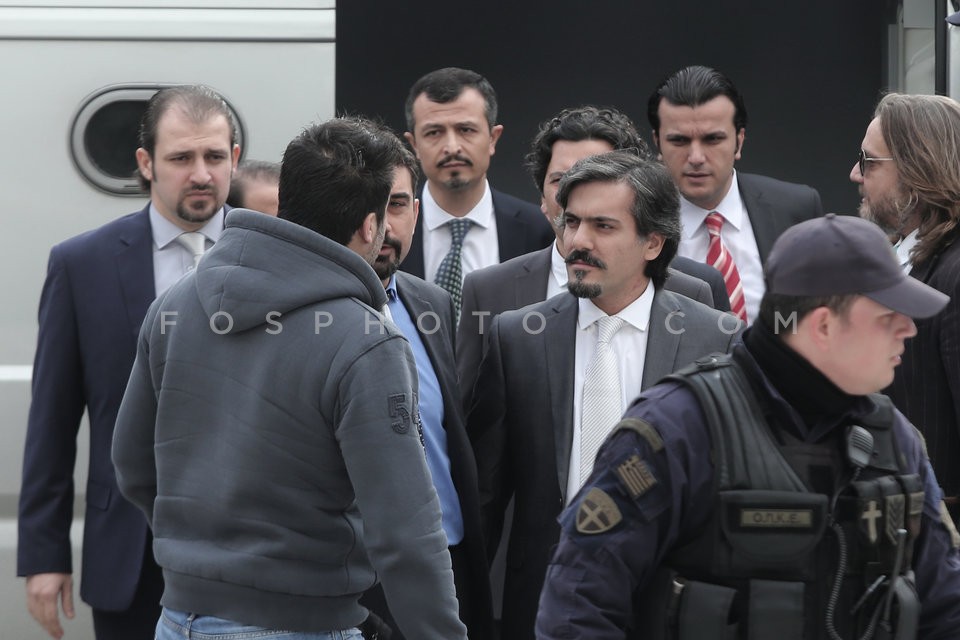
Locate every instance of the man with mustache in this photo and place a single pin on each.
(909, 178)
(466, 225)
(557, 375)
(97, 291)
(569, 136)
(424, 314)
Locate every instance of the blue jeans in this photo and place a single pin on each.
(176, 625)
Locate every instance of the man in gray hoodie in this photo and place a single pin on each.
(270, 430)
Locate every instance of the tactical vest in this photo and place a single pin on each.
(777, 559)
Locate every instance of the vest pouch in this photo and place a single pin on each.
(772, 534)
(775, 610)
(706, 612)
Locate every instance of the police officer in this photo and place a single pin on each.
(772, 492)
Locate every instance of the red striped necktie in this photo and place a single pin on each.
(720, 259)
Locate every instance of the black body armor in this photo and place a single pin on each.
(806, 541)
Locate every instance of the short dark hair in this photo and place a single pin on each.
(582, 123)
(409, 161)
(336, 173)
(656, 200)
(199, 102)
(446, 85)
(250, 171)
(692, 87)
(779, 311)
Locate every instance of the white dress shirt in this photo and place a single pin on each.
(903, 249)
(171, 260)
(737, 236)
(557, 281)
(630, 346)
(480, 247)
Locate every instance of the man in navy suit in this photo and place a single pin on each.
(98, 287)
(699, 125)
(452, 126)
(424, 314)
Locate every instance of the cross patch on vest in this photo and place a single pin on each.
(869, 514)
(598, 513)
(636, 476)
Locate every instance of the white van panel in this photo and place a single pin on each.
(273, 62)
(166, 24)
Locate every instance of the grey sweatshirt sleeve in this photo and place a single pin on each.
(379, 435)
(133, 435)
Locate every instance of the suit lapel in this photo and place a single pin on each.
(531, 283)
(924, 270)
(511, 230)
(663, 343)
(413, 263)
(559, 340)
(135, 268)
(759, 210)
(417, 306)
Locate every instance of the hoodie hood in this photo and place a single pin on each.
(263, 264)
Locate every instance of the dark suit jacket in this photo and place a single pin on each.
(774, 206)
(96, 294)
(703, 271)
(521, 228)
(522, 281)
(926, 386)
(419, 298)
(521, 426)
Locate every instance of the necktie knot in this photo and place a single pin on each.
(714, 223)
(458, 231)
(195, 243)
(607, 327)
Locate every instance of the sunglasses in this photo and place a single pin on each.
(863, 159)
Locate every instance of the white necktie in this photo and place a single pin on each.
(195, 243)
(601, 409)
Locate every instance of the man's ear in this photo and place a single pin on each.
(145, 164)
(741, 136)
(821, 327)
(495, 132)
(368, 230)
(655, 136)
(654, 246)
(412, 141)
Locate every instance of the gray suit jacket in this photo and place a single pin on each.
(517, 283)
(521, 425)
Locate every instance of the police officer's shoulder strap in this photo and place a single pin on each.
(745, 454)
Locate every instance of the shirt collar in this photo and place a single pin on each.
(903, 248)
(731, 208)
(434, 216)
(558, 266)
(164, 232)
(637, 313)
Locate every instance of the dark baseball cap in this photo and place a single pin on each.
(839, 255)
